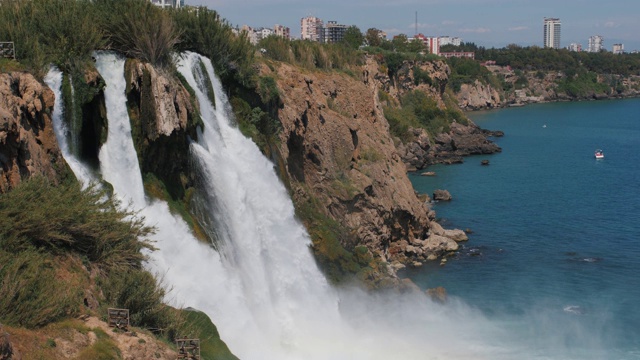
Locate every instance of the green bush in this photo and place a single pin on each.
(62, 32)
(51, 235)
(139, 292)
(310, 54)
(140, 30)
(204, 32)
(65, 218)
(31, 292)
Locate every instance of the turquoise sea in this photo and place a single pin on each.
(554, 253)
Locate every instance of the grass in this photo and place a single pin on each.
(52, 238)
(199, 325)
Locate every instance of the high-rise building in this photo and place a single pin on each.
(311, 28)
(596, 43)
(552, 33)
(333, 32)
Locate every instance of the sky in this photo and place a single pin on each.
(488, 23)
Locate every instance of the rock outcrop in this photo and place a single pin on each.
(28, 146)
(528, 87)
(447, 148)
(478, 96)
(165, 105)
(337, 149)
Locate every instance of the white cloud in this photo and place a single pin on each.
(422, 26)
(449, 22)
(518, 28)
(476, 30)
(610, 24)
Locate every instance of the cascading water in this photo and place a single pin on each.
(263, 289)
(288, 310)
(54, 80)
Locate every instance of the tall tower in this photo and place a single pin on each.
(552, 33)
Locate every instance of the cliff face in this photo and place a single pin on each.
(478, 96)
(528, 87)
(462, 139)
(28, 145)
(337, 149)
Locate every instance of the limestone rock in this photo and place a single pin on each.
(478, 96)
(438, 244)
(164, 103)
(28, 144)
(441, 195)
(6, 348)
(438, 294)
(336, 148)
(454, 234)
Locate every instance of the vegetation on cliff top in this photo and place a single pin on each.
(583, 73)
(66, 32)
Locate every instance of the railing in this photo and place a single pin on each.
(188, 349)
(7, 49)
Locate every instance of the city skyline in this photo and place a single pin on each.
(489, 23)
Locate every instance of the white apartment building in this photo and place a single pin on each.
(264, 33)
(596, 43)
(168, 3)
(618, 48)
(448, 40)
(311, 28)
(252, 35)
(574, 47)
(552, 33)
(282, 31)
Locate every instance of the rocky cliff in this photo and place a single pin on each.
(528, 87)
(28, 145)
(337, 150)
(463, 138)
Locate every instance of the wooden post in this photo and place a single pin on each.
(7, 49)
(188, 349)
(118, 318)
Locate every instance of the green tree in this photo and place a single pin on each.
(353, 37)
(400, 42)
(416, 46)
(372, 37)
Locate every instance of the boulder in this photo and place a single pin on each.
(484, 162)
(453, 234)
(6, 349)
(438, 294)
(437, 244)
(441, 195)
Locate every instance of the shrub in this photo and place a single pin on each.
(65, 218)
(62, 32)
(203, 31)
(32, 293)
(140, 30)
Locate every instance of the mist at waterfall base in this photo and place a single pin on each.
(554, 230)
(262, 287)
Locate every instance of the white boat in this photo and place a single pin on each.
(599, 154)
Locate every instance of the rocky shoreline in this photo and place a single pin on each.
(541, 87)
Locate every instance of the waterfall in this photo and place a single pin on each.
(262, 288)
(285, 308)
(54, 80)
